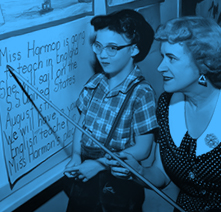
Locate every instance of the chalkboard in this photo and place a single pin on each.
(56, 61)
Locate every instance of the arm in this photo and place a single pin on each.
(87, 169)
(144, 124)
(142, 148)
(76, 144)
(154, 173)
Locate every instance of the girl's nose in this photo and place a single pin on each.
(103, 53)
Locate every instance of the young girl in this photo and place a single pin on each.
(122, 39)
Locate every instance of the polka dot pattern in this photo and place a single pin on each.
(198, 177)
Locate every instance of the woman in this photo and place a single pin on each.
(189, 114)
(122, 39)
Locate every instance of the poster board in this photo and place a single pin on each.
(20, 17)
(57, 61)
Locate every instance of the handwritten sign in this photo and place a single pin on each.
(51, 61)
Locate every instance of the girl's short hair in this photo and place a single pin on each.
(132, 25)
(202, 37)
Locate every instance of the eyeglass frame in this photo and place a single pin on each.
(117, 48)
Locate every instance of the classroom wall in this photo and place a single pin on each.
(169, 9)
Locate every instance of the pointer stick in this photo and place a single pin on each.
(164, 196)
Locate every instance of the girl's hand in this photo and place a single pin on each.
(86, 170)
(75, 161)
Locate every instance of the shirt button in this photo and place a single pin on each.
(203, 192)
(98, 121)
(191, 175)
(105, 99)
(206, 208)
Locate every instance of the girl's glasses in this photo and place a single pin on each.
(110, 49)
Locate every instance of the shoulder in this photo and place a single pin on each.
(143, 89)
(164, 99)
(94, 80)
(144, 97)
(163, 104)
(91, 85)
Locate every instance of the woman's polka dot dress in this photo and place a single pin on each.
(198, 177)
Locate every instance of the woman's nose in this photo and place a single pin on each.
(162, 67)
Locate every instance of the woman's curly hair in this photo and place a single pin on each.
(202, 36)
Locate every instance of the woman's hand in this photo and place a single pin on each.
(75, 161)
(154, 173)
(86, 170)
(119, 171)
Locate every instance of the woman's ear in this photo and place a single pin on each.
(134, 50)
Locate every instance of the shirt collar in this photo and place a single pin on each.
(123, 87)
(94, 81)
(127, 83)
(131, 79)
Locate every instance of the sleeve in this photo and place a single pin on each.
(144, 116)
(84, 99)
(86, 94)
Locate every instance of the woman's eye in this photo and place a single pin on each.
(172, 59)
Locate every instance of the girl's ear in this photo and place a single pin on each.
(134, 50)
